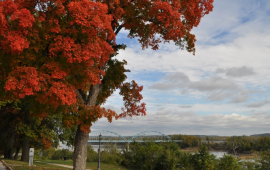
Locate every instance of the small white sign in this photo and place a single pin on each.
(31, 152)
(31, 156)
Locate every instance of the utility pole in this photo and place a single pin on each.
(98, 168)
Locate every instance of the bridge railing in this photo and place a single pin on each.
(109, 136)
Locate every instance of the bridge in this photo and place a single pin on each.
(112, 137)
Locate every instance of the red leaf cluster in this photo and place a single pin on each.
(53, 47)
(131, 97)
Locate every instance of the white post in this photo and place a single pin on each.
(31, 156)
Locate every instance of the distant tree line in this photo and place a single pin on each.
(233, 143)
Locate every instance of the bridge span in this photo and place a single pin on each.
(112, 137)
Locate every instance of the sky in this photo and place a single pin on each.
(221, 90)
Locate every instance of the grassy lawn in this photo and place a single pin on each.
(18, 165)
(89, 165)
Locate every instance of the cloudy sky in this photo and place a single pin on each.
(222, 90)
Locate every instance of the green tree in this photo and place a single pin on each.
(92, 156)
(169, 156)
(143, 156)
(265, 160)
(228, 162)
(22, 129)
(203, 160)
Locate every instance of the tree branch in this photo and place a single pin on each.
(80, 96)
(118, 46)
(93, 94)
(119, 28)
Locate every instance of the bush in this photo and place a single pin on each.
(151, 156)
(38, 154)
(60, 154)
(111, 155)
(92, 156)
(228, 162)
(47, 154)
(203, 160)
(168, 158)
(265, 160)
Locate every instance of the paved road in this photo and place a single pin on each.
(2, 166)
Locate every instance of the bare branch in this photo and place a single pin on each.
(118, 29)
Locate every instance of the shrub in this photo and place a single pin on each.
(111, 155)
(203, 160)
(151, 156)
(47, 154)
(60, 154)
(92, 156)
(228, 162)
(265, 160)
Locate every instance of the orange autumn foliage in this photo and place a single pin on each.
(57, 51)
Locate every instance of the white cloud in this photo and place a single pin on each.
(229, 74)
(191, 123)
(216, 88)
(180, 80)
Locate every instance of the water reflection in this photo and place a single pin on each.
(218, 154)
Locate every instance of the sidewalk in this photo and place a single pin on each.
(2, 167)
(66, 166)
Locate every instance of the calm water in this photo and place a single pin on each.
(218, 154)
(102, 147)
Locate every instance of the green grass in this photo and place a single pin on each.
(67, 162)
(89, 165)
(19, 165)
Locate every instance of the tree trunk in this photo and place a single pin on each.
(8, 152)
(81, 138)
(80, 150)
(17, 153)
(25, 150)
(5, 152)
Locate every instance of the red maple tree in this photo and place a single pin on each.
(63, 53)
